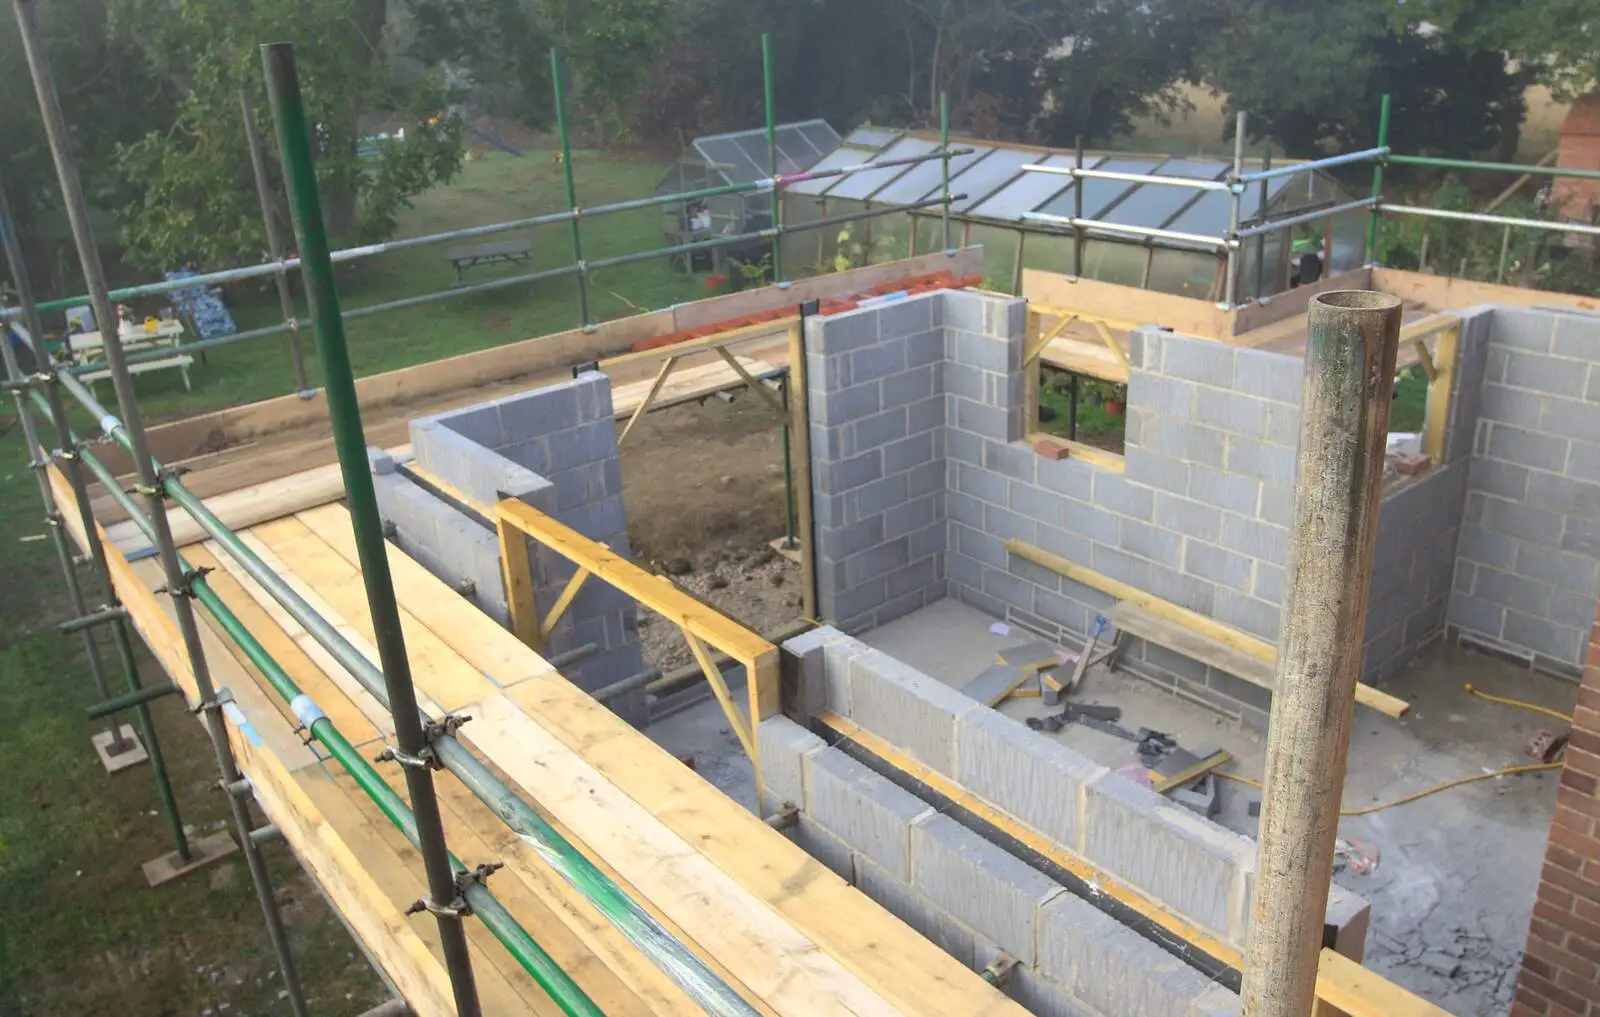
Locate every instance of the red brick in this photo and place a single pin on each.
(1556, 896)
(1579, 782)
(1554, 993)
(1589, 695)
(1562, 858)
(1572, 812)
(1587, 741)
(1567, 962)
(1572, 882)
(1525, 1005)
(1538, 965)
(1548, 931)
(1586, 986)
(1557, 1010)
(1579, 843)
(1588, 911)
(1586, 948)
(1052, 448)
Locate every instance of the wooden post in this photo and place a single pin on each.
(1350, 361)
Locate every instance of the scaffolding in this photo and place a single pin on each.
(456, 890)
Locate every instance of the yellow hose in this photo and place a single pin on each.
(1408, 799)
(1535, 707)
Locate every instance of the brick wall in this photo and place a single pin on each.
(554, 448)
(1527, 580)
(1561, 965)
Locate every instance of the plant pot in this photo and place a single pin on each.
(1113, 407)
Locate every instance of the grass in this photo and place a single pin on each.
(493, 189)
(83, 933)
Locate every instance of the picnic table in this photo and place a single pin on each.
(90, 348)
(517, 251)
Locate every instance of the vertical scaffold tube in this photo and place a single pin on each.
(1377, 181)
(560, 90)
(772, 155)
(1230, 285)
(149, 484)
(944, 148)
(269, 223)
(344, 412)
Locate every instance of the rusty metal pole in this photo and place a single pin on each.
(269, 222)
(1349, 380)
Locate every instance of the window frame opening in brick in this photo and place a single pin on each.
(1049, 348)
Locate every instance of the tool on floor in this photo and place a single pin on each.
(1056, 682)
(1087, 714)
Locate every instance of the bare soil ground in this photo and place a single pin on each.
(705, 494)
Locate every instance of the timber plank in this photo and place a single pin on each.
(346, 716)
(369, 704)
(776, 960)
(1136, 621)
(437, 669)
(903, 967)
(396, 866)
(476, 637)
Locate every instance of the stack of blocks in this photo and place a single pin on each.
(1199, 515)
(971, 896)
(554, 449)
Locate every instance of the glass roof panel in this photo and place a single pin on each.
(1097, 194)
(923, 179)
(1209, 216)
(861, 186)
(989, 175)
(872, 137)
(839, 159)
(1152, 204)
(1030, 190)
(822, 137)
(730, 158)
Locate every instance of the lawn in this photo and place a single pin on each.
(495, 188)
(82, 933)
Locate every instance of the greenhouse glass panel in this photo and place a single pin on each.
(1208, 217)
(986, 176)
(863, 185)
(930, 234)
(1349, 241)
(1113, 262)
(1153, 204)
(891, 238)
(1030, 190)
(1097, 194)
(1185, 273)
(999, 255)
(924, 179)
(872, 137)
(1273, 281)
(730, 159)
(1049, 252)
(842, 158)
(822, 137)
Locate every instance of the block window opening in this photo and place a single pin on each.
(1076, 373)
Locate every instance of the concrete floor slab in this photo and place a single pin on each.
(1457, 871)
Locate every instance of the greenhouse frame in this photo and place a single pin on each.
(740, 157)
(1001, 195)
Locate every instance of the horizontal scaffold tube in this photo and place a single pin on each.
(528, 953)
(531, 277)
(674, 959)
(269, 268)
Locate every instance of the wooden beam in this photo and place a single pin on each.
(763, 329)
(1037, 348)
(649, 397)
(1356, 991)
(800, 457)
(559, 608)
(755, 386)
(653, 591)
(736, 720)
(243, 508)
(1366, 695)
(1424, 359)
(1441, 395)
(516, 571)
(1188, 775)
(1111, 342)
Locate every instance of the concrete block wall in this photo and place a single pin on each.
(1527, 581)
(970, 895)
(555, 449)
(877, 434)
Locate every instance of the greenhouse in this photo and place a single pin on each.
(1000, 197)
(738, 158)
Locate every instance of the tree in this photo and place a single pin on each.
(1310, 75)
(610, 46)
(109, 97)
(187, 190)
(1553, 40)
